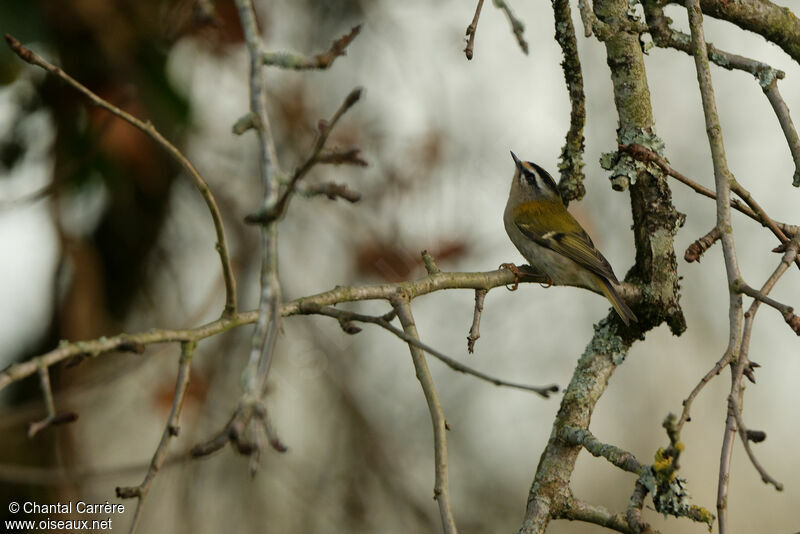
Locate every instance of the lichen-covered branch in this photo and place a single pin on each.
(618, 457)
(655, 272)
(585, 512)
(571, 162)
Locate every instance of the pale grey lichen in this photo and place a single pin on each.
(606, 341)
(623, 165)
(766, 75)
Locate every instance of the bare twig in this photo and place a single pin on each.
(472, 29)
(474, 331)
(150, 130)
(270, 213)
(440, 491)
(744, 434)
(785, 120)
(52, 418)
(742, 287)
(141, 491)
(696, 249)
(331, 190)
(723, 180)
(767, 76)
(516, 25)
(244, 437)
(779, 229)
(265, 333)
(345, 319)
(289, 60)
(687, 403)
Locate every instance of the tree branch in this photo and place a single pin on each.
(440, 490)
(571, 161)
(346, 318)
(472, 29)
(414, 288)
(141, 491)
(322, 61)
(723, 180)
(269, 214)
(773, 22)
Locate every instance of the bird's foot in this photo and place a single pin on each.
(516, 272)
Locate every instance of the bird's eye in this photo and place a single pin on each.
(531, 179)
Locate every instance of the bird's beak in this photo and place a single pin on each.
(517, 162)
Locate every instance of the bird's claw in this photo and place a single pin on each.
(517, 274)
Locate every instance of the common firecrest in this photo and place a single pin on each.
(553, 242)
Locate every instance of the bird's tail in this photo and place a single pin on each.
(621, 308)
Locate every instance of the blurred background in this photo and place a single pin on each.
(100, 233)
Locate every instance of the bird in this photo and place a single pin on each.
(553, 242)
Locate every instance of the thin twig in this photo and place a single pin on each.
(150, 130)
(780, 230)
(331, 190)
(785, 120)
(440, 490)
(735, 420)
(474, 331)
(471, 29)
(744, 435)
(742, 287)
(268, 214)
(345, 319)
(290, 60)
(767, 76)
(687, 403)
(723, 180)
(517, 27)
(265, 333)
(52, 418)
(141, 491)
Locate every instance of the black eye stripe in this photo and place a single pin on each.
(531, 179)
(531, 170)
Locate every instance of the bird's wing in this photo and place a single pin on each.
(570, 241)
